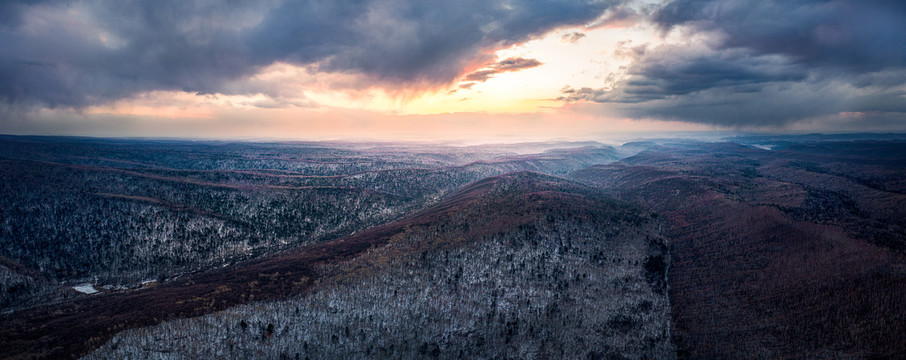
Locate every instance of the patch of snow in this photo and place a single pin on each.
(85, 289)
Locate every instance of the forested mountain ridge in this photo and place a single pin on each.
(795, 252)
(562, 238)
(521, 265)
(117, 213)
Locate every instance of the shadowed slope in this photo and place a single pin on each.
(774, 254)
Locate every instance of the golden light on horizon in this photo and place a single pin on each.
(586, 61)
(283, 100)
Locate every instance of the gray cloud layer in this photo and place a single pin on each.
(769, 63)
(765, 63)
(851, 34)
(502, 66)
(112, 49)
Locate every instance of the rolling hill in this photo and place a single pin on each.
(520, 263)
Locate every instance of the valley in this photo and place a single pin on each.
(662, 248)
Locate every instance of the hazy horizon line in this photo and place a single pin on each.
(620, 137)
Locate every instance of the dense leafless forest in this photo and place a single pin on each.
(748, 247)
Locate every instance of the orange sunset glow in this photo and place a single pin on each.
(590, 69)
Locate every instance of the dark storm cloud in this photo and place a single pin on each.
(112, 49)
(407, 40)
(671, 71)
(766, 63)
(853, 35)
(664, 77)
(772, 105)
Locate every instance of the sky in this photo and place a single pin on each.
(449, 69)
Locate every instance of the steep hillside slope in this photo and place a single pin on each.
(777, 254)
(520, 265)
